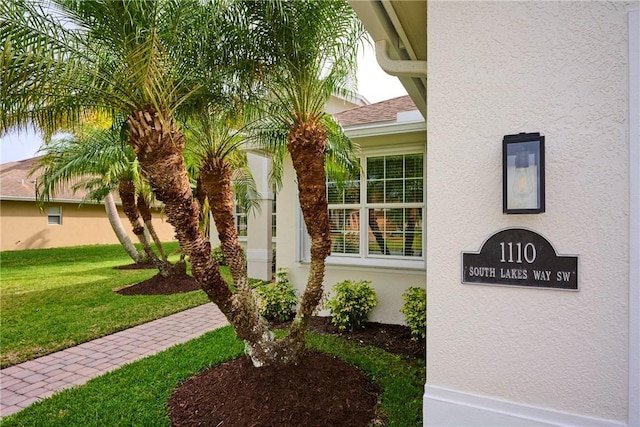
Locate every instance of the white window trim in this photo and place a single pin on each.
(58, 215)
(363, 259)
(236, 215)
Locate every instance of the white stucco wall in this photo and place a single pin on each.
(558, 68)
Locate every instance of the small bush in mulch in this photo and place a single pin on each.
(158, 285)
(306, 394)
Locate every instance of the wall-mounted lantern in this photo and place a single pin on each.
(523, 173)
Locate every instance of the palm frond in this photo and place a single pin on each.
(92, 159)
(245, 190)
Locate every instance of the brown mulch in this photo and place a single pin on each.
(320, 391)
(135, 266)
(394, 339)
(158, 285)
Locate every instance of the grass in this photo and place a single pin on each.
(51, 299)
(137, 394)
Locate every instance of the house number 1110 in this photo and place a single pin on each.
(528, 252)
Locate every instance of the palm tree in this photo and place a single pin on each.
(118, 229)
(63, 167)
(96, 160)
(137, 58)
(160, 62)
(316, 44)
(223, 179)
(214, 146)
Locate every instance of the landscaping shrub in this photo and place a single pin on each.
(351, 304)
(414, 308)
(218, 255)
(277, 301)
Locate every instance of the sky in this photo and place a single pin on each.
(373, 83)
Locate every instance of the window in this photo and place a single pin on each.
(395, 187)
(241, 221)
(380, 215)
(242, 224)
(273, 216)
(54, 215)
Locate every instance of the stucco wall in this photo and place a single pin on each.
(23, 226)
(558, 68)
(388, 282)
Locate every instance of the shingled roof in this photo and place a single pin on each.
(15, 182)
(384, 111)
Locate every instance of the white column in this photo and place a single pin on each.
(259, 236)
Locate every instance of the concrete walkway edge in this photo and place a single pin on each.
(25, 383)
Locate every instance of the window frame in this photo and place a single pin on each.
(239, 212)
(57, 215)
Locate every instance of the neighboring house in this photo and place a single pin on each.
(64, 221)
(377, 221)
(525, 353)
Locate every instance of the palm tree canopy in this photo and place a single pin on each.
(314, 45)
(63, 57)
(95, 160)
(215, 137)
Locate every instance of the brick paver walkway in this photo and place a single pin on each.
(23, 384)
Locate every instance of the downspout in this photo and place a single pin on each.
(399, 68)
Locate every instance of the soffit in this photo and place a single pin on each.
(403, 24)
(412, 18)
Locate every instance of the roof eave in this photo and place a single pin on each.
(377, 129)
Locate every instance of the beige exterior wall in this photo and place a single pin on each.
(558, 68)
(389, 282)
(23, 226)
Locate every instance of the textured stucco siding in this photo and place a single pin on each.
(558, 68)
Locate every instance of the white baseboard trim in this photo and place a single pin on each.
(450, 408)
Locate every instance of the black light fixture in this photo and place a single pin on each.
(523, 173)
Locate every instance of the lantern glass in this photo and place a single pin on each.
(523, 173)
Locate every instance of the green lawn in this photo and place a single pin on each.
(56, 298)
(137, 394)
(51, 299)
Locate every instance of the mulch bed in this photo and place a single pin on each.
(135, 266)
(320, 391)
(394, 339)
(158, 285)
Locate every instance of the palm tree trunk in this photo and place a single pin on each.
(215, 180)
(116, 224)
(158, 144)
(127, 192)
(145, 213)
(306, 146)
